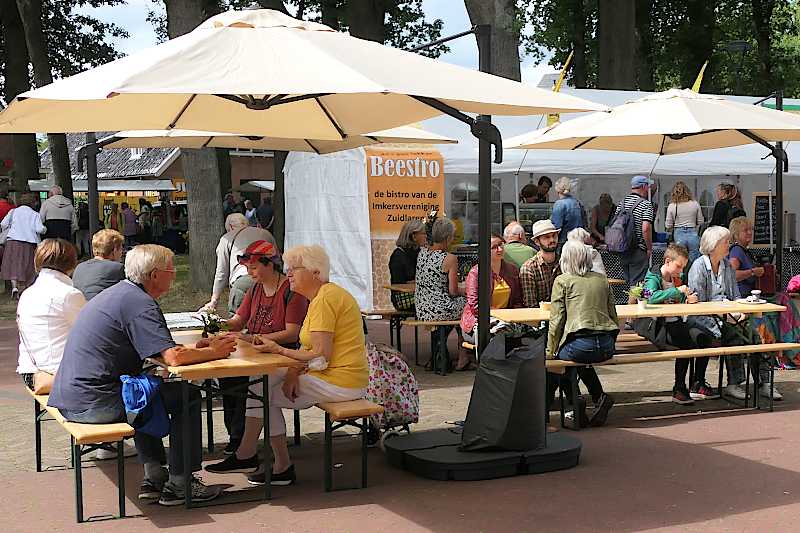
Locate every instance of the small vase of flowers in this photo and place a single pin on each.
(639, 293)
(212, 324)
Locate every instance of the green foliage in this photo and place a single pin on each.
(406, 24)
(680, 42)
(75, 42)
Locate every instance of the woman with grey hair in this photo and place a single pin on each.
(568, 213)
(438, 296)
(583, 323)
(403, 261)
(713, 279)
(582, 236)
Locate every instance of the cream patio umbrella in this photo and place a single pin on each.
(206, 139)
(674, 122)
(264, 73)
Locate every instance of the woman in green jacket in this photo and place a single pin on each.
(583, 322)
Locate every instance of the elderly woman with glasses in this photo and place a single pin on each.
(270, 311)
(713, 279)
(403, 261)
(331, 342)
(583, 322)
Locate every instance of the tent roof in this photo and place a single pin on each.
(462, 158)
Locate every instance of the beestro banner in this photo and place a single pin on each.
(403, 185)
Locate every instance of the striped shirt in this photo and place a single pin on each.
(643, 212)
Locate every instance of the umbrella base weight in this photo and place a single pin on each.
(434, 454)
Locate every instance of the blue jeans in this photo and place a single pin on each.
(688, 237)
(588, 350)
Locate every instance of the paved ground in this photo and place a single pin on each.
(656, 466)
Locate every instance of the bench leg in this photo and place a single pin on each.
(747, 382)
(187, 444)
(72, 455)
(721, 361)
(416, 346)
(76, 461)
(397, 326)
(296, 427)
(37, 433)
(576, 395)
(364, 432)
(210, 414)
(756, 381)
(328, 454)
(771, 383)
(121, 478)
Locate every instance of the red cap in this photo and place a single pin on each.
(257, 250)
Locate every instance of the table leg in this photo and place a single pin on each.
(267, 449)
(121, 477)
(187, 446)
(210, 414)
(37, 431)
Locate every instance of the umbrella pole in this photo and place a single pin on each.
(780, 159)
(483, 35)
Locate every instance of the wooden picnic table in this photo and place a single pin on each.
(613, 282)
(246, 361)
(410, 287)
(632, 311)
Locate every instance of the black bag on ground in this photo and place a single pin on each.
(506, 409)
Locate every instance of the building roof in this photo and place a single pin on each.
(116, 163)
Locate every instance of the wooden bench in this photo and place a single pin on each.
(340, 414)
(558, 366)
(395, 319)
(439, 330)
(84, 438)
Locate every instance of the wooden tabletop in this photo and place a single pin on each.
(616, 282)
(245, 361)
(402, 287)
(632, 311)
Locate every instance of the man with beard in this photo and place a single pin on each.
(537, 273)
(536, 277)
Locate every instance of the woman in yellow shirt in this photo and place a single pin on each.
(332, 342)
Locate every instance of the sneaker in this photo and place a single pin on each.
(230, 448)
(173, 495)
(682, 397)
(763, 391)
(600, 415)
(150, 490)
(103, 455)
(703, 391)
(234, 465)
(736, 392)
(287, 477)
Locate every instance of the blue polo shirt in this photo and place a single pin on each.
(113, 335)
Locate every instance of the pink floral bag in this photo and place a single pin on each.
(794, 284)
(392, 385)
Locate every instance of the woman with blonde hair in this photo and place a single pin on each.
(104, 270)
(684, 218)
(745, 266)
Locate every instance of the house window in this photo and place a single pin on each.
(464, 206)
(137, 153)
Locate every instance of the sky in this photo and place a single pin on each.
(463, 51)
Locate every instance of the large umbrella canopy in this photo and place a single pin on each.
(672, 122)
(265, 73)
(208, 139)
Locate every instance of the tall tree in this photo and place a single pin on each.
(579, 43)
(616, 23)
(762, 11)
(645, 75)
(503, 17)
(15, 74)
(30, 12)
(201, 168)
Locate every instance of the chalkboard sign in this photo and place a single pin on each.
(761, 227)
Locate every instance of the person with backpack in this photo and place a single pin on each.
(630, 233)
(269, 309)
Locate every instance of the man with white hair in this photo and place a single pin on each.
(58, 215)
(239, 235)
(516, 250)
(114, 333)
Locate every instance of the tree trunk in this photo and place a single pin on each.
(25, 153)
(699, 45)
(644, 48)
(201, 168)
(367, 19)
(579, 44)
(501, 16)
(762, 16)
(330, 13)
(31, 14)
(273, 4)
(617, 41)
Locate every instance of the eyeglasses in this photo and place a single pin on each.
(497, 246)
(289, 270)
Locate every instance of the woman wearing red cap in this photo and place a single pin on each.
(274, 312)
